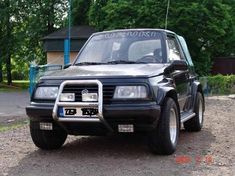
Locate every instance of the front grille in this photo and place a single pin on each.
(108, 91)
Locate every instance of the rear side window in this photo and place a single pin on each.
(174, 51)
(185, 50)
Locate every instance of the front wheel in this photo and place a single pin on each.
(164, 138)
(47, 140)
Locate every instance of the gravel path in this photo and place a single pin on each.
(209, 152)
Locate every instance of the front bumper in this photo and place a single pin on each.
(143, 116)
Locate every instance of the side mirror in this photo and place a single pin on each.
(176, 65)
(67, 65)
(179, 65)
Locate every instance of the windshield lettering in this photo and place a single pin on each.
(144, 34)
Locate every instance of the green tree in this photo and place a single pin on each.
(97, 14)
(80, 12)
(7, 11)
(230, 41)
(206, 27)
(40, 18)
(1, 50)
(22, 26)
(206, 24)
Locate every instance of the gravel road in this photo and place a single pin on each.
(209, 152)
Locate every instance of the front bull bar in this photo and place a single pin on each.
(97, 119)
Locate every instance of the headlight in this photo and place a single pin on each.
(130, 92)
(46, 93)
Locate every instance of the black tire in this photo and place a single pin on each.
(195, 124)
(45, 139)
(160, 139)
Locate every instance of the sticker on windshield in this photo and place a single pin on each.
(116, 46)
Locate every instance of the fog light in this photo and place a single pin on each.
(90, 97)
(46, 126)
(67, 97)
(127, 128)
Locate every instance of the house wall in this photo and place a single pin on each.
(58, 57)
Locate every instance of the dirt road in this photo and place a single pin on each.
(209, 152)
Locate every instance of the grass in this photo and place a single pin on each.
(12, 126)
(24, 84)
(17, 85)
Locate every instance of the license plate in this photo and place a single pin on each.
(72, 112)
(79, 112)
(89, 111)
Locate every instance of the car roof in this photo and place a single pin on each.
(136, 29)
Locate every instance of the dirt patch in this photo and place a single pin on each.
(209, 152)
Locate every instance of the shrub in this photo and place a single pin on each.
(219, 84)
(18, 75)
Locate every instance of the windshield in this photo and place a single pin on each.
(123, 47)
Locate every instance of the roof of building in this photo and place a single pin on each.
(77, 32)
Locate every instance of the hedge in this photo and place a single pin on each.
(219, 84)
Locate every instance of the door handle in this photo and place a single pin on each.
(186, 75)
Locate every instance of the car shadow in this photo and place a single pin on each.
(122, 155)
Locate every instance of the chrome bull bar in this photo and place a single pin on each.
(97, 119)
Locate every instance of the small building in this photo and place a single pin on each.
(53, 44)
(223, 65)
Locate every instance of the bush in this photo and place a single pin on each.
(219, 84)
(18, 75)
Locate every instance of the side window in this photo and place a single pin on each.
(143, 48)
(174, 51)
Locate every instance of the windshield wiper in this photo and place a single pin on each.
(121, 62)
(110, 62)
(89, 63)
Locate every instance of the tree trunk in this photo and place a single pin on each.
(1, 77)
(50, 18)
(8, 67)
(9, 42)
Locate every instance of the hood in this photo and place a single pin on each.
(119, 70)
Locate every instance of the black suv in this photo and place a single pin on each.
(123, 81)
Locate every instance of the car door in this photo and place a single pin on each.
(180, 77)
(192, 75)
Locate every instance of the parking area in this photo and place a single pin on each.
(12, 105)
(209, 152)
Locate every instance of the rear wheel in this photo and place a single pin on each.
(47, 139)
(164, 138)
(196, 123)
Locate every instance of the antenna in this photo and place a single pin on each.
(167, 11)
